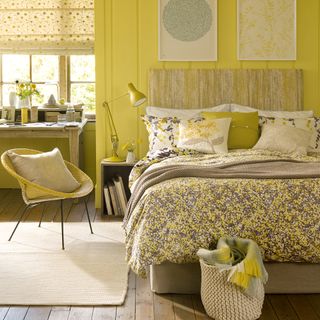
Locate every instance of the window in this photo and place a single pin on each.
(69, 77)
(82, 80)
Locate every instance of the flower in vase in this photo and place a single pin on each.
(129, 146)
(26, 89)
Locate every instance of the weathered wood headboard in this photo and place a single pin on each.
(266, 89)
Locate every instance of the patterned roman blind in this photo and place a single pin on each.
(47, 26)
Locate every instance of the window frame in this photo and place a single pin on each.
(69, 82)
(64, 80)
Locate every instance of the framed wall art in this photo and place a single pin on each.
(267, 29)
(187, 30)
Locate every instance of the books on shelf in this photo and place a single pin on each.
(107, 199)
(115, 197)
(122, 198)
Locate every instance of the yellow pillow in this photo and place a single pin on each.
(244, 128)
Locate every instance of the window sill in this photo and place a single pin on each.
(91, 117)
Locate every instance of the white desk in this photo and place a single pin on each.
(48, 130)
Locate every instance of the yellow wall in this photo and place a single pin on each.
(88, 148)
(127, 46)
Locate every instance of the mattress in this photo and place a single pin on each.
(176, 217)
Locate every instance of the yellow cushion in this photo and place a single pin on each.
(244, 128)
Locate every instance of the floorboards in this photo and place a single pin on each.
(38, 313)
(16, 313)
(3, 312)
(141, 303)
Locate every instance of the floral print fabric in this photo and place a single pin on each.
(204, 135)
(163, 132)
(47, 26)
(178, 216)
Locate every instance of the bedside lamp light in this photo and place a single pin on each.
(137, 98)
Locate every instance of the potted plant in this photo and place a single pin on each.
(129, 147)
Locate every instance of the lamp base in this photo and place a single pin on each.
(113, 159)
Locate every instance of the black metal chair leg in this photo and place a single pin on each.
(88, 216)
(22, 214)
(62, 233)
(42, 214)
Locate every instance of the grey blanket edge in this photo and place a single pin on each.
(253, 169)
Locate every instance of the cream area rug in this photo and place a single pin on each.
(90, 271)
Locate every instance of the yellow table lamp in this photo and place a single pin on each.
(136, 99)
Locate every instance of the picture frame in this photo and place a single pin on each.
(266, 30)
(187, 30)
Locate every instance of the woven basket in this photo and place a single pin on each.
(223, 300)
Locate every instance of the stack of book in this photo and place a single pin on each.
(115, 197)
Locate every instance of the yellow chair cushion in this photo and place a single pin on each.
(244, 128)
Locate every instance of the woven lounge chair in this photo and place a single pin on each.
(34, 194)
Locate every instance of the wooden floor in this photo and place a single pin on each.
(141, 303)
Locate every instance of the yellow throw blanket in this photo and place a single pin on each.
(242, 257)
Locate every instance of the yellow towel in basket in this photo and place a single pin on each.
(242, 257)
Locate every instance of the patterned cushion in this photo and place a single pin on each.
(310, 124)
(163, 132)
(208, 136)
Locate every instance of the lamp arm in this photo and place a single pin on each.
(117, 98)
(111, 122)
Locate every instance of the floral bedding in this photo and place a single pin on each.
(176, 217)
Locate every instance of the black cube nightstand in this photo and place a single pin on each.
(109, 170)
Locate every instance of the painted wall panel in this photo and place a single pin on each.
(127, 47)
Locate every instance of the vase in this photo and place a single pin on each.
(24, 103)
(130, 157)
(12, 99)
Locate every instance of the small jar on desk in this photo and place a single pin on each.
(34, 114)
(70, 114)
(24, 115)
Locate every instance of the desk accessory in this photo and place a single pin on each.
(70, 114)
(136, 99)
(24, 91)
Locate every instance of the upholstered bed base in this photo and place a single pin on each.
(283, 278)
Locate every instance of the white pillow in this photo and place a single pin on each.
(46, 169)
(308, 124)
(208, 136)
(274, 114)
(184, 114)
(284, 139)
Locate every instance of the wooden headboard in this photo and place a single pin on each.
(265, 89)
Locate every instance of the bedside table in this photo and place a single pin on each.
(108, 171)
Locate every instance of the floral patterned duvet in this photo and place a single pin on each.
(176, 217)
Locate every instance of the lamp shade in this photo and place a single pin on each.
(136, 97)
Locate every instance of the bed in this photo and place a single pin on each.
(175, 217)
